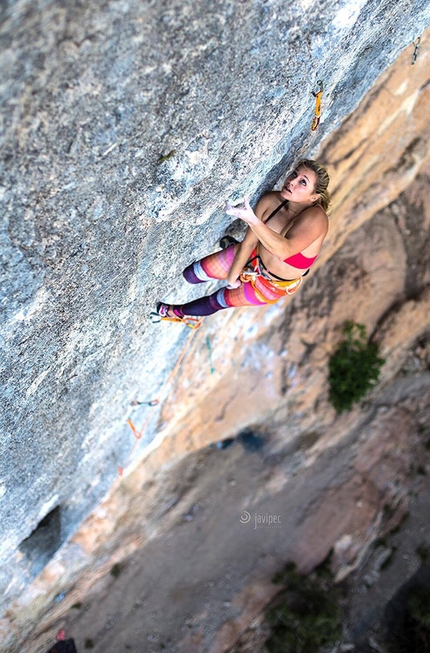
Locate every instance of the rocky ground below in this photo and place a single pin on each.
(239, 511)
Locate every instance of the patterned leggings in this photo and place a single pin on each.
(217, 266)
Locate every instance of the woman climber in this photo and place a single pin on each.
(271, 260)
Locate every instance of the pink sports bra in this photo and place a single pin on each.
(296, 260)
(299, 261)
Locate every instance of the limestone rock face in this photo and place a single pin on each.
(125, 128)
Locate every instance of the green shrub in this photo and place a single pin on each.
(354, 368)
(306, 616)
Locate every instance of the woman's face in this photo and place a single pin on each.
(299, 186)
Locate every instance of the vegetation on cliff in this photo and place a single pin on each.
(306, 615)
(354, 368)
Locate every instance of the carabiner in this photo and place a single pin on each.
(417, 46)
(319, 83)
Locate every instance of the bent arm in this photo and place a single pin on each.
(307, 229)
(243, 254)
(310, 226)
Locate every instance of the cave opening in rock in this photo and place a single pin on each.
(40, 546)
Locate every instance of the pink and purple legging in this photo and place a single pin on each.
(217, 266)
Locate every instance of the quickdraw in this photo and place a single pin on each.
(138, 433)
(188, 320)
(416, 43)
(152, 402)
(318, 97)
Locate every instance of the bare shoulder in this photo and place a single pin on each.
(316, 214)
(267, 203)
(313, 221)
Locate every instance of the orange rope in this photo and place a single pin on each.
(138, 433)
(192, 322)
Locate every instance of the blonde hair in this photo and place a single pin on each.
(322, 181)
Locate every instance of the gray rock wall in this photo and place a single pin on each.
(95, 228)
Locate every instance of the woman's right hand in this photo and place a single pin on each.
(244, 212)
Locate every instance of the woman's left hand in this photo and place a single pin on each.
(244, 212)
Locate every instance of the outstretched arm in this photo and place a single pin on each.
(310, 226)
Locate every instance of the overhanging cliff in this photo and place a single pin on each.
(96, 227)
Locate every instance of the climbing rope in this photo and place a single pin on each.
(188, 320)
(138, 433)
(416, 43)
(318, 97)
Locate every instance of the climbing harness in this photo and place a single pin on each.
(416, 43)
(318, 97)
(290, 287)
(255, 269)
